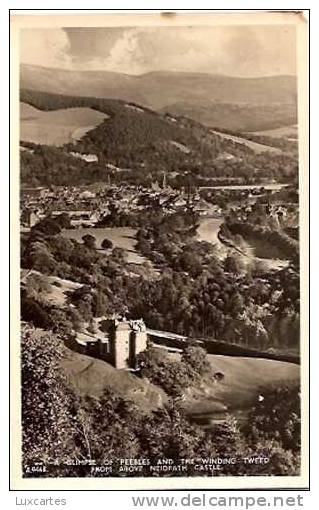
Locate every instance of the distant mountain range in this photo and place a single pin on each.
(246, 104)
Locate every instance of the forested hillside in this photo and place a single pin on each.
(136, 138)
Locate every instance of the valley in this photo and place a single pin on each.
(160, 253)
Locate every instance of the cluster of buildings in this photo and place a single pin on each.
(86, 207)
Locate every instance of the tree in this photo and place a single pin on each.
(119, 255)
(32, 311)
(168, 434)
(190, 262)
(37, 286)
(48, 227)
(277, 416)
(236, 304)
(75, 318)
(92, 327)
(41, 259)
(106, 244)
(234, 264)
(60, 322)
(107, 428)
(196, 358)
(48, 422)
(89, 241)
(64, 220)
(172, 376)
(99, 304)
(144, 246)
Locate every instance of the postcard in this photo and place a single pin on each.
(159, 221)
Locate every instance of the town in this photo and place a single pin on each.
(87, 207)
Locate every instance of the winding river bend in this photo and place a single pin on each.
(209, 231)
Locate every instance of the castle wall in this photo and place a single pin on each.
(140, 342)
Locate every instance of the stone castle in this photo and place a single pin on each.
(117, 341)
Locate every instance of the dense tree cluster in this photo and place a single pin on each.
(48, 423)
(269, 414)
(197, 294)
(174, 376)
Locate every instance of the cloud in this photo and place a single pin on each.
(229, 50)
(125, 56)
(45, 47)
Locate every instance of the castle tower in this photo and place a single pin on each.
(121, 345)
(127, 339)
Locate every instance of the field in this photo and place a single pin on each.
(239, 388)
(121, 237)
(58, 288)
(57, 127)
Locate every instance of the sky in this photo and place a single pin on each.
(246, 51)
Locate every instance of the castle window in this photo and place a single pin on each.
(107, 348)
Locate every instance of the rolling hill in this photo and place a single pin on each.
(236, 103)
(237, 116)
(130, 134)
(129, 142)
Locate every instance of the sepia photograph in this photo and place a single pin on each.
(159, 179)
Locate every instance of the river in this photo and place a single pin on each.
(208, 231)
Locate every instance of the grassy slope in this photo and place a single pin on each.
(236, 116)
(243, 377)
(56, 127)
(91, 376)
(290, 131)
(258, 148)
(121, 237)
